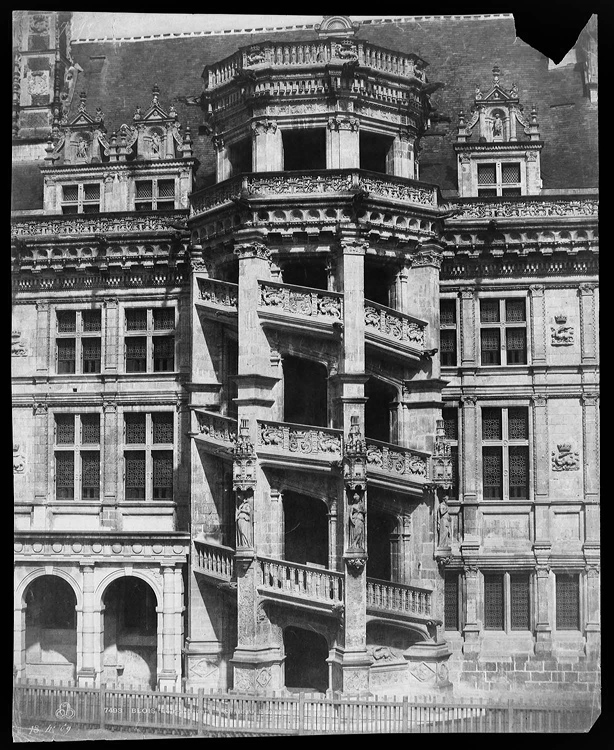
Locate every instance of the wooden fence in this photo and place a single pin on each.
(205, 713)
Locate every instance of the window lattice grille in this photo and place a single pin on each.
(491, 346)
(144, 189)
(510, 173)
(166, 188)
(516, 339)
(162, 428)
(136, 320)
(450, 423)
(135, 470)
(447, 312)
(520, 602)
(567, 602)
(91, 321)
(487, 174)
(91, 192)
(489, 310)
(136, 348)
(135, 428)
(70, 192)
(493, 602)
(518, 423)
(163, 352)
(515, 310)
(492, 469)
(91, 354)
(64, 429)
(492, 423)
(64, 469)
(164, 319)
(66, 355)
(67, 321)
(162, 475)
(90, 428)
(447, 344)
(90, 474)
(451, 602)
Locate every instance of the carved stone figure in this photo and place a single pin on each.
(357, 519)
(156, 143)
(562, 334)
(497, 125)
(244, 521)
(19, 460)
(564, 459)
(18, 349)
(81, 148)
(444, 524)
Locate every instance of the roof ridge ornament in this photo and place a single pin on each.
(337, 26)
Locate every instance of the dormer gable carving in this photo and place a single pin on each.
(498, 147)
(341, 26)
(78, 140)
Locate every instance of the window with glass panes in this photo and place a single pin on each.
(567, 601)
(157, 194)
(78, 341)
(499, 178)
(77, 456)
(507, 601)
(503, 331)
(81, 198)
(149, 339)
(505, 453)
(447, 332)
(450, 422)
(148, 456)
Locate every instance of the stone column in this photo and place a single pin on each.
(468, 325)
(342, 142)
(406, 571)
(590, 439)
(111, 360)
(43, 337)
(543, 627)
(222, 163)
(541, 470)
(111, 464)
(267, 148)
(19, 639)
(469, 450)
(89, 620)
(41, 459)
(167, 676)
(588, 323)
(538, 324)
(471, 627)
(333, 557)
(593, 625)
(400, 157)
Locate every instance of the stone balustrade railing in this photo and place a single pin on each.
(102, 224)
(523, 208)
(302, 581)
(262, 185)
(216, 427)
(318, 52)
(216, 560)
(396, 460)
(220, 293)
(398, 597)
(301, 300)
(392, 324)
(303, 440)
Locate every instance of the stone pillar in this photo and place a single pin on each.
(168, 676)
(342, 142)
(538, 324)
(41, 461)
(333, 557)
(588, 323)
(543, 627)
(590, 439)
(593, 625)
(89, 659)
(43, 334)
(267, 148)
(111, 344)
(222, 163)
(469, 450)
(468, 325)
(19, 639)
(400, 157)
(406, 558)
(471, 627)
(541, 469)
(111, 464)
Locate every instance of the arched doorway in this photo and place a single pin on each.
(130, 633)
(51, 629)
(305, 529)
(305, 391)
(305, 665)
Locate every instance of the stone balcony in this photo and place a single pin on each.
(394, 332)
(291, 307)
(215, 562)
(217, 299)
(215, 433)
(302, 447)
(392, 466)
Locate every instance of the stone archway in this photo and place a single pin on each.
(306, 665)
(50, 629)
(130, 633)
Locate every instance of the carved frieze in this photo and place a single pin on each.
(565, 459)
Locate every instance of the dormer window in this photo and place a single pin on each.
(81, 198)
(499, 178)
(154, 195)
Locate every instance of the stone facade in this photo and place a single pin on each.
(286, 415)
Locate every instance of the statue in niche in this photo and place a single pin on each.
(243, 519)
(81, 148)
(444, 524)
(357, 518)
(156, 142)
(497, 126)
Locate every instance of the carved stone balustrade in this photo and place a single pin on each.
(294, 582)
(399, 598)
(216, 433)
(213, 560)
(526, 208)
(385, 327)
(302, 446)
(390, 464)
(316, 53)
(95, 224)
(292, 306)
(217, 296)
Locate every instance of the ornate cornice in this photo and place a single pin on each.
(96, 224)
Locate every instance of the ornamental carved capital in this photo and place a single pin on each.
(264, 127)
(592, 570)
(339, 123)
(426, 258)
(109, 406)
(536, 290)
(470, 570)
(353, 247)
(542, 570)
(589, 399)
(469, 400)
(39, 408)
(588, 289)
(218, 141)
(467, 293)
(539, 400)
(252, 250)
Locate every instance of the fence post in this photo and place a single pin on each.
(510, 716)
(201, 711)
(301, 713)
(405, 716)
(102, 702)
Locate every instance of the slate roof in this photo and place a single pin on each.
(118, 75)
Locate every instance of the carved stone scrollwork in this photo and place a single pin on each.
(587, 289)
